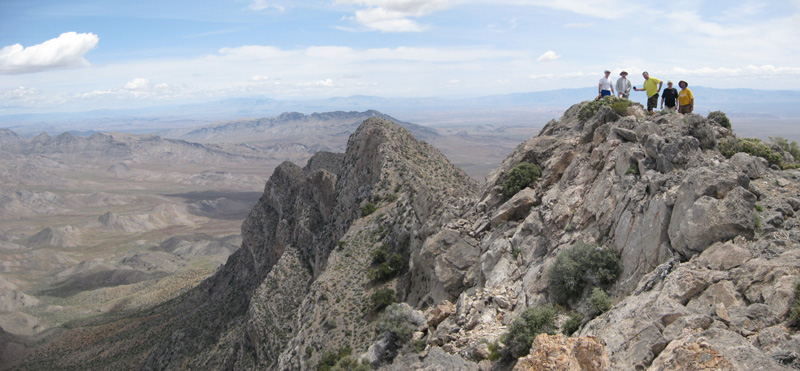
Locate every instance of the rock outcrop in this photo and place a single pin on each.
(707, 247)
(565, 354)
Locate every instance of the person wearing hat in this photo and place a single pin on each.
(685, 98)
(670, 96)
(652, 86)
(605, 87)
(623, 85)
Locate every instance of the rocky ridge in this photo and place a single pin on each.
(701, 270)
(706, 245)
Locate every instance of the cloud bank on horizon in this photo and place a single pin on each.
(89, 55)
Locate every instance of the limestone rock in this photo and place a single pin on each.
(558, 352)
(515, 208)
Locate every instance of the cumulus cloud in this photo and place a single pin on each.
(137, 84)
(65, 51)
(548, 56)
(393, 15)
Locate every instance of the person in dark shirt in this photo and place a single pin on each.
(670, 97)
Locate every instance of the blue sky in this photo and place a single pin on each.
(85, 55)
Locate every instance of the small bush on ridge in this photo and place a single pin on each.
(580, 265)
(720, 118)
(620, 105)
(521, 176)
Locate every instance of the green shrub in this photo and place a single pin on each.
(581, 265)
(379, 255)
(396, 263)
(368, 209)
(329, 358)
(494, 353)
(382, 273)
(382, 298)
(720, 118)
(590, 109)
(419, 345)
(392, 197)
(621, 107)
(521, 176)
(755, 147)
(633, 169)
(792, 148)
(572, 324)
(794, 310)
(532, 322)
(728, 146)
(599, 301)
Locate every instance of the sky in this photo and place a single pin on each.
(62, 56)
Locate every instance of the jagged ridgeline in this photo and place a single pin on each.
(661, 252)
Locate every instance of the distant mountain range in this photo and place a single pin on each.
(292, 127)
(509, 109)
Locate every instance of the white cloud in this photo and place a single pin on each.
(548, 56)
(609, 9)
(578, 25)
(137, 84)
(326, 82)
(67, 50)
(20, 95)
(393, 15)
(749, 71)
(259, 5)
(259, 78)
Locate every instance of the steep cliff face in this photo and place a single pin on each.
(300, 279)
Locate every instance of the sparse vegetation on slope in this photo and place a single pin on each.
(778, 152)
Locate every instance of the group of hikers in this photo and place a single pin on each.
(681, 101)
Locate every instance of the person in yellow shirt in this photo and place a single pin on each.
(652, 86)
(685, 98)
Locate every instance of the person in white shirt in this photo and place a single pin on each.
(606, 87)
(624, 85)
